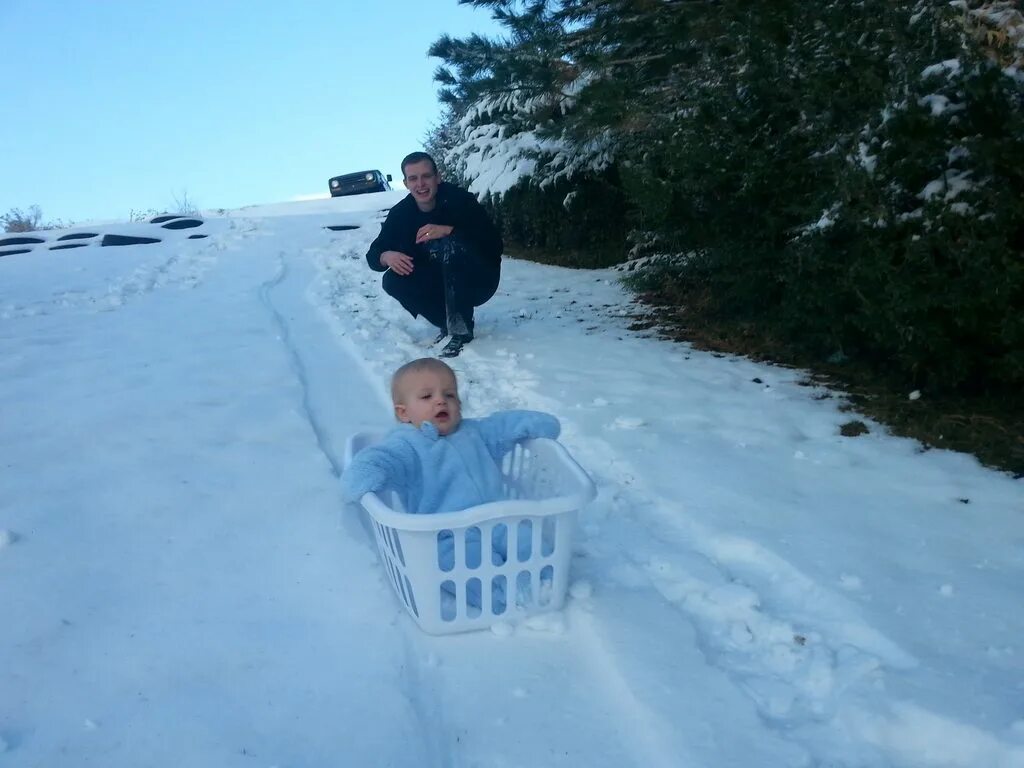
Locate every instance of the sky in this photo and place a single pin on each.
(122, 106)
(181, 583)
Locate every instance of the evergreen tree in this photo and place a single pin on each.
(846, 174)
(514, 97)
(926, 245)
(440, 140)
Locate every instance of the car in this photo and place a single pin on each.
(359, 183)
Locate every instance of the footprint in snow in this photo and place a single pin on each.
(627, 422)
(581, 590)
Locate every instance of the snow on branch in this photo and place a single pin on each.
(516, 135)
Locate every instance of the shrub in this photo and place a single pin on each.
(183, 205)
(16, 220)
(583, 220)
(922, 272)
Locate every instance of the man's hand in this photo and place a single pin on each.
(433, 232)
(397, 262)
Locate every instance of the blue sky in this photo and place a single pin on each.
(120, 105)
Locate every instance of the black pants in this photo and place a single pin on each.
(446, 286)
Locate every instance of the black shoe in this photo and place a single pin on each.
(455, 345)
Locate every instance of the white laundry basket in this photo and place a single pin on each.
(501, 561)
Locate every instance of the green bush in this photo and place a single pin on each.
(583, 221)
(924, 267)
(893, 235)
(847, 178)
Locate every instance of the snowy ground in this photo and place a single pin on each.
(181, 586)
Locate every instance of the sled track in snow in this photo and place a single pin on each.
(752, 626)
(436, 735)
(420, 690)
(650, 736)
(296, 361)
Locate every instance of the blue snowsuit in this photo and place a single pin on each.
(432, 473)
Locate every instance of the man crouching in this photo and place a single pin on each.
(439, 251)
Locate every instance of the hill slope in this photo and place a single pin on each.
(181, 584)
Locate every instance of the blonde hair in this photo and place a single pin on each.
(415, 366)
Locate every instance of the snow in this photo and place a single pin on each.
(496, 160)
(952, 183)
(939, 104)
(825, 221)
(948, 68)
(180, 584)
(495, 157)
(866, 159)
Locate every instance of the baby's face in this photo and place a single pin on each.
(429, 396)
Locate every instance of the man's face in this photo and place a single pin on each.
(421, 180)
(429, 396)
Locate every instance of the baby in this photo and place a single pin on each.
(435, 460)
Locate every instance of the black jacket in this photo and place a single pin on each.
(456, 208)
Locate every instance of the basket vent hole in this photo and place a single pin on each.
(398, 546)
(524, 590)
(499, 544)
(547, 536)
(473, 547)
(498, 591)
(412, 597)
(473, 598)
(445, 550)
(546, 586)
(524, 534)
(401, 581)
(448, 598)
(394, 574)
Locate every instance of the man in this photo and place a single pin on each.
(439, 251)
